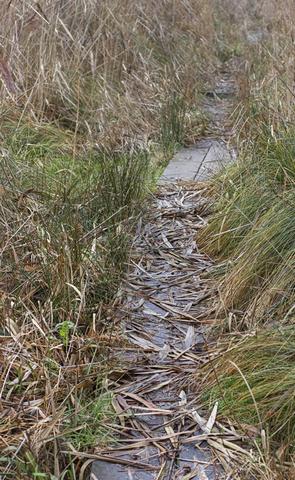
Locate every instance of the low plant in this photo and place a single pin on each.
(253, 381)
(70, 218)
(173, 124)
(89, 421)
(253, 227)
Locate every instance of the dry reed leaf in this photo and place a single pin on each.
(7, 77)
(189, 338)
(210, 423)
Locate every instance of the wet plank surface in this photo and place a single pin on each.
(165, 301)
(166, 311)
(198, 162)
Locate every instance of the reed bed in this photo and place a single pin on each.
(254, 211)
(95, 98)
(252, 233)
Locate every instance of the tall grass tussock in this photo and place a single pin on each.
(256, 386)
(252, 232)
(254, 228)
(253, 223)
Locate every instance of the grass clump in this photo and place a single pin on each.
(253, 381)
(65, 228)
(90, 421)
(253, 227)
(70, 218)
(173, 124)
(86, 66)
(55, 382)
(252, 232)
(255, 197)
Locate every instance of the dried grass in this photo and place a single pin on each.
(252, 232)
(254, 214)
(252, 380)
(94, 96)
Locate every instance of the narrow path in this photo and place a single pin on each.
(166, 311)
(208, 155)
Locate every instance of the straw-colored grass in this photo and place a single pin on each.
(86, 65)
(253, 381)
(95, 97)
(253, 223)
(252, 231)
(254, 228)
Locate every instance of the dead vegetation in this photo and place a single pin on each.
(252, 234)
(86, 65)
(165, 310)
(95, 96)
